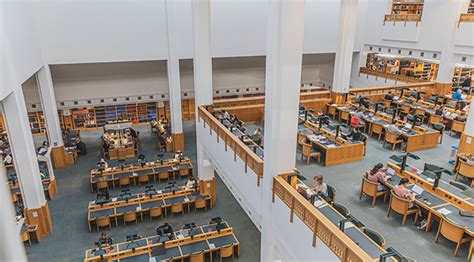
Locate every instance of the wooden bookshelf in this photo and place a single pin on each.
(407, 11)
(37, 123)
(469, 15)
(460, 73)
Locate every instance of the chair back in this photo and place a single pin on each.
(102, 184)
(226, 251)
(398, 204)
(25, 236)
(163, 175)
(102, 222)
(155, 212)
(331, 110)
(369, 187)
(301, 139)
(466, 169)
(130, 216)
(435, 119)
(178, 208)
(197, 257)
(331, 193)
(438, 127)
(184, 172)
(459, 185)
(375, 236)
(123, 181)
(345, 115)
(391, 137)
(306, 149)
(450, 230)
(458, 126)
(343, 210)
(143, 179)
(200, 204)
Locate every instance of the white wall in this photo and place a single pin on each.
(364, 80)
(242, 185)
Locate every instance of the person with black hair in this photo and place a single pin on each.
(165, 230)
(104, 241)
(377, 174)
(191, 183)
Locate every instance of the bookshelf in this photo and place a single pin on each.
(460, 73)
(407, 7)
(470, 9)
(94, 117)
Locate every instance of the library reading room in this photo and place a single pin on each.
(236, 130)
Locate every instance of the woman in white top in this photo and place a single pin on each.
(319, 185)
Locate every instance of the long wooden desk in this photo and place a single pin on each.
(419, 138)
(258, 150)
(142, 204)
(334, 150)
(49, 187)
(443, 203)
(170, 166)
(206, 238)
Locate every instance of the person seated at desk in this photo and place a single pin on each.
(439, 111)
(355, 134)
(104, 241)
(8, 160)
(377, 174)
(319, 185)
(153, 123)
(191, 183)
(43, 149)
(394, 129)
(257, 136)
(102, 164)
(401, 191)
(302, 192)
(165, 230)
(389, 96)
(457, 95)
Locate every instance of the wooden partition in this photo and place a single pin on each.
(240, 149)
(342, 246)
(386, 76)
(378, 93)
(464, 146)
(251, 109)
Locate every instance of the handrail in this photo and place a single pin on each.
(240, 149)
(401, 78)
(466, 18)
(403, 18)
(342, 246)
(391, 87)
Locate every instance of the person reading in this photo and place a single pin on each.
(377, 174)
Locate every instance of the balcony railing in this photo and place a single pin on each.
(466, 18)
(395, 77)
(342, 246)
(240, 149)
(402, 18)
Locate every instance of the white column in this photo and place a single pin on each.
(202, 69)
(285, 30)
(451, 11)
(174, 83)
(23, 150)
(469, 128)
(345, 46)
(11, 248)
(50, 108)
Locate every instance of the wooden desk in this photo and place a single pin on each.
(206, 238)
(142, 204)
(336, 150)
(151, 169)
(420, 138)
(49, 187)
(32, 231)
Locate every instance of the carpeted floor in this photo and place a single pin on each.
(71, 237)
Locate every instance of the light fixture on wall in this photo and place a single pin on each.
(410, 52)
(422, 54)
(399, 51)
(139, 98)
(127, 98)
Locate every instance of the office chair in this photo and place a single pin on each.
(343, 210)
(375, 236)
(331, 194)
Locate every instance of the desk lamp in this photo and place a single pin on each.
(215, 220)
(160, 157)
(345, 96)
(402, 89)
(396, 110)
(436, 172)
(376, 104)
(306, 113)
(418, 95)
(403, 159)
(392, 252)
(323, 120)
(121, 163)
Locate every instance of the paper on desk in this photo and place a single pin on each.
(152, 259)
(444, 211)
(186, 199)
(212, 246)
(180, 236)
(322, 205)
(114, 199)
(135, 174)
(159, 191)
(318, 203)
(331, 146)
(431, 180)
(348, 225)
(139, 208)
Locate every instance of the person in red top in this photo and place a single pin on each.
(405, 193)
(377, 174)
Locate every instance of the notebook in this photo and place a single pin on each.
(417, 189)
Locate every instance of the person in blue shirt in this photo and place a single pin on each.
(457, 95)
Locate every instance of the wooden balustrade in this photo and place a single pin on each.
(395, 77)
(402, 18)
(466, 18)
(240, 149)
(342, 246)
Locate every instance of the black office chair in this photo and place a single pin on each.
(343, 210)
(459, 185)
(440, 129)
(331, 194)
(375, 236)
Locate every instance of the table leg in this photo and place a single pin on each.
(428, 222)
